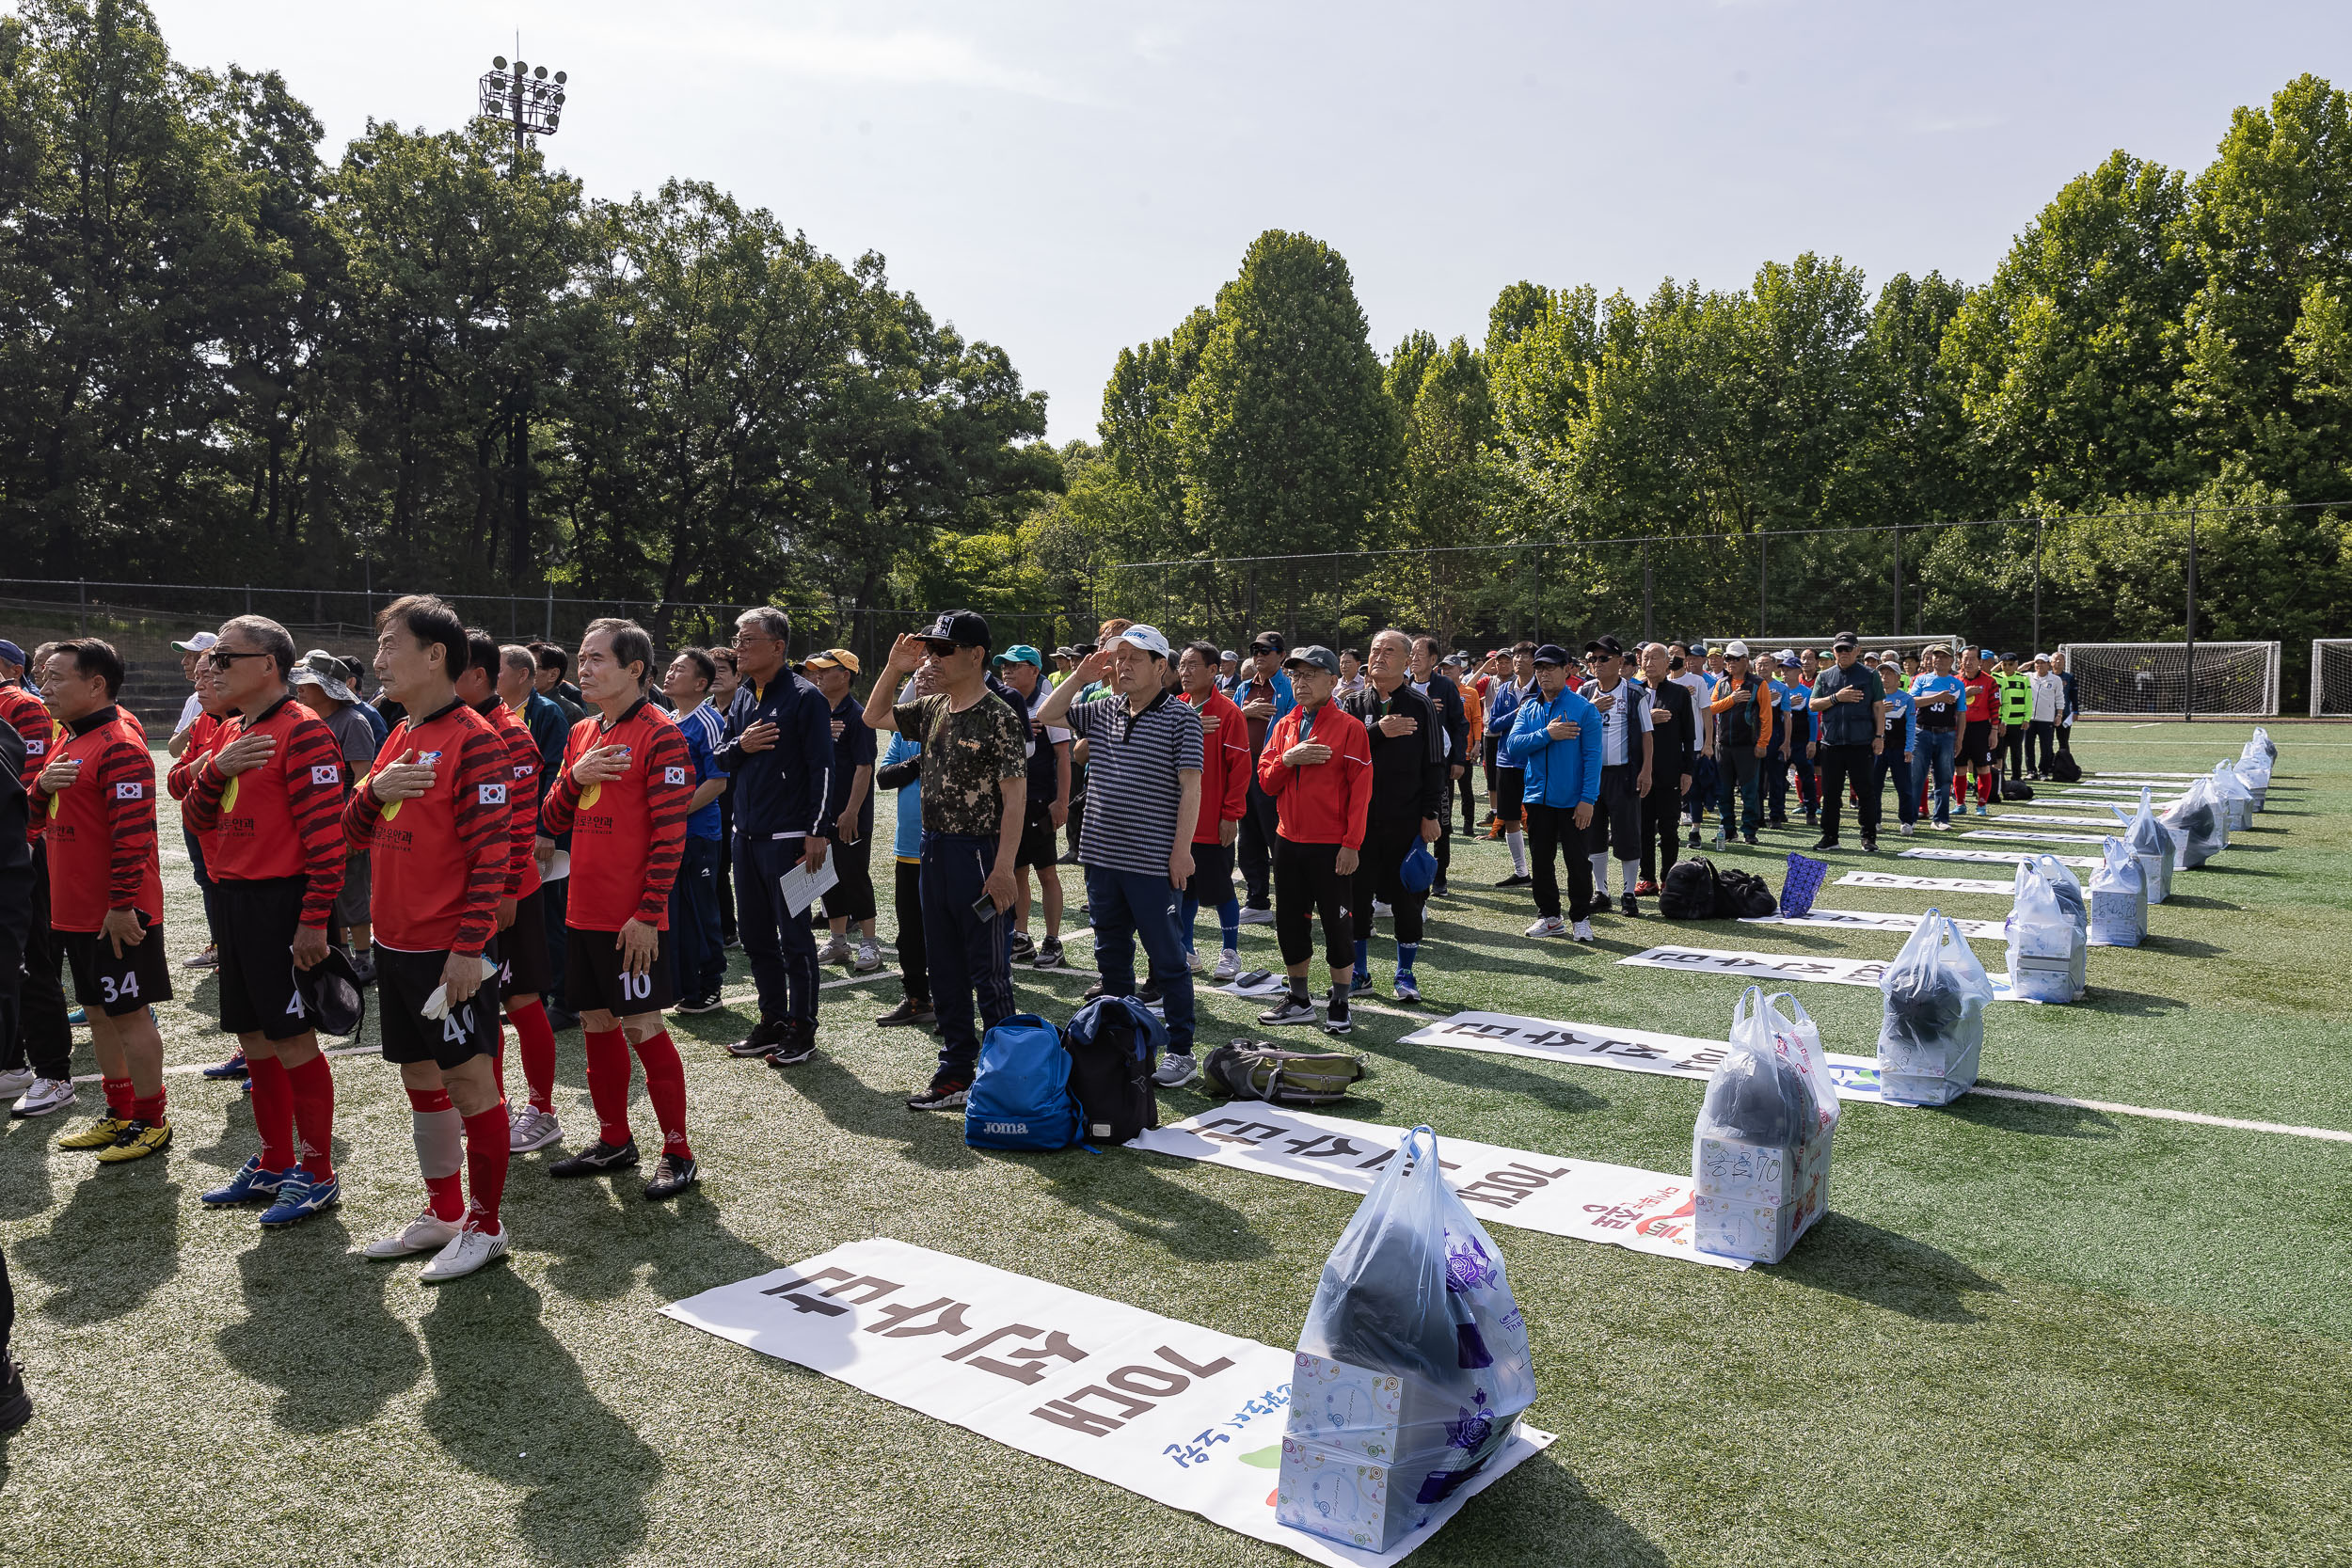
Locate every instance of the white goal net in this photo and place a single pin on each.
(2332, 676)
(1877, 642)
(2158, 680)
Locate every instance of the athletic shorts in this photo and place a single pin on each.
(258, 924)
(404, 982)
(593, 975)
(350, 905)
(1212, 873)
(1039, 845)
(1510, 785)
(525, 967)
(117, 986)
(1976, 741)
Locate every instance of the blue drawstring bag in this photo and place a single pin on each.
(1805, 875)
(1021, 1095)
(1419, 871)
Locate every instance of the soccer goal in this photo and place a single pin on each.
(2332, 676)
(2156, 680)
(1877, 642)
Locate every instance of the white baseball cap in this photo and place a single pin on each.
(1735, 649)
(1146, 637)
(197, 643)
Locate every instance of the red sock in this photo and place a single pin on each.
(117, 1096)
(608, 1083)
(665, 1086)
(149, 1107)
(441, 1153)
(534, 1042)
(486, 1164)
(314, 1116)
(273, 1111)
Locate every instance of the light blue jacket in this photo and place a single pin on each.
(1560, 773)
(908, 843)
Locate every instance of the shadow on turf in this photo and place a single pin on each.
(113, 1245)
(1542, 1516)
(510, 1404)
(2035, 1118)
(1131, 1190)
(1848, 1257)
(316, 1326)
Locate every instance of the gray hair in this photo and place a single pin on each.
(1400, 637)
(268, 636)
(770, 621)
(520, 659)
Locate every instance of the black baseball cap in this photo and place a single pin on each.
(1267, 643)
(965, 628)
(1551, 652)
(1607, 645)
(1845, 640)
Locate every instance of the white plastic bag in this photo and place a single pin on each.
(1931, 1025)
(2046, 946)
(2154, 846)
(2253, 771)
(2118, 898)
(2200, 818)
(1761, 1153)
(1413, 1367)
(2236, 797)
(2261, 742)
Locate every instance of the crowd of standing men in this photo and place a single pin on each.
(523, 837)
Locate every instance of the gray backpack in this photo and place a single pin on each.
(1258, 1069)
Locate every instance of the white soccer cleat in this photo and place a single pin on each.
(427, 1232)
(473, 1248)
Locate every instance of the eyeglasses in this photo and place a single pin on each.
(221, 659)
(745, 639)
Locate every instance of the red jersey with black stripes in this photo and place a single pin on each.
(437, 863)
(102, 827)
(29, 717)
(522, 799)
(627, 834)
(203, 735)
(282, 817)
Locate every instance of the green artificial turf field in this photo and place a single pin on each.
(2028, 1332)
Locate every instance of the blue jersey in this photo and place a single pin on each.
(706, 731)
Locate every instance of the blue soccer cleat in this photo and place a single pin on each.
(252, 1184)
(299, 1197)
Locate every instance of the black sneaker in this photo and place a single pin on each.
(595, 1160)
(700, 1005)
(1869, 845)
(1748, 839)
(672, 1174)
(16, 1405)
(1093, 993)
(796, 1042)
(945, 1094)
(1627, 907)
(1437, 890)
(1049, 955)
(765, 1036)
(1517, 878)
(1695, 839)
(1291, 1009)
(1149, 994)
(909, 1014)
(1825, 844)
(1335, 1019)
(1022, 949)
(561, 1019)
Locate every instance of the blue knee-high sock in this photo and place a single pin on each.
(1405, 955)
(1229, 921)
(1363, 954)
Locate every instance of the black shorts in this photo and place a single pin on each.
(1510, 785)
(1212, 875)
(258, 923)
(1038, 844)
(593, 978)
(524, 968)
(404, 982)
(117, 986)
(1976, 741)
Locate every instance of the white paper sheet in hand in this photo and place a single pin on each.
(436, 1006)
(802, 887)
(1183, 1415)
(1645, 1211)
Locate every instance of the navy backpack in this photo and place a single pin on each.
(1020, 1096)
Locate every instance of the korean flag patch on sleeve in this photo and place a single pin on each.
(494, 795)
(674, 775)
(327, 774)
(130, 792)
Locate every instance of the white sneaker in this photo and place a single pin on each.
(1255, 917)
(1175, 1070)
(1198, 962)
(1228, 965)
(868, 960)
(1550, 926)
(1582, 931)
(1380, 909)
(833, 952)
(46, 1095)
(15, 1082)
(530, 1128)
(1904, 829)
(427, 1232)
(473, 1248)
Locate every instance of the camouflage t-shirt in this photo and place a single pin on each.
(966, 758)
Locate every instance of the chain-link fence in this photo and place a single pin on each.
(2020, 584)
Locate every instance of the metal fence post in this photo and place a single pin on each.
(548, 635)
(1649, 629)
(1763, 576)
(2037, 585)
(1899, 579)
(81, 616)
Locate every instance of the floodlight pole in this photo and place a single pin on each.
(533, 105)
(2188, 629)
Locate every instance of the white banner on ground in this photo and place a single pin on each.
(2135, 775)
(1880, 920)
(1766, 968)
(1925, 885)
(2119, 794)
(1999, 857)
(1644, 1210)
(2034, 819)
(2018, 836)
(1256, 982)
(1623, 1049)
(1184, 1415)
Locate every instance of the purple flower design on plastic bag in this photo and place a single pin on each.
(1467, 1265)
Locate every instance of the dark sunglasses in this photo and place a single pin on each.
(221, 659)
(938, 649)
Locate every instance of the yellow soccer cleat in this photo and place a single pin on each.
(139, 1139)
(101, 1134)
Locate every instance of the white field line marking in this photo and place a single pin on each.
(2198, 1116)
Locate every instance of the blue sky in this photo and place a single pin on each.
(1066, 179)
